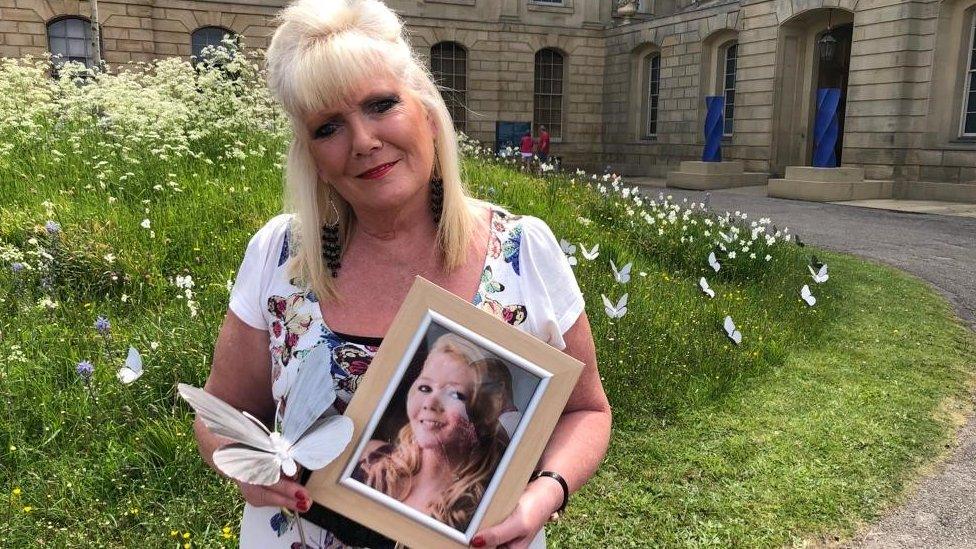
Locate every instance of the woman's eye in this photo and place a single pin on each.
(325, 130)
(424, 388)
(459, 396)
(384, 105)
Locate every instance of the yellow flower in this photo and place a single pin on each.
(17, 491)
(28, 509)
(186, 535)
(186, 545)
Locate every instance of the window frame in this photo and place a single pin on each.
(728, 119)
(457, 104)
(196, 58)
(555, 129)
(969, 72)
(89, 54)
(650, 96)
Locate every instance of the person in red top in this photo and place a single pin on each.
(543, 144)
(526, 146)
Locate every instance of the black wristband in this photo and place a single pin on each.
(560, 480)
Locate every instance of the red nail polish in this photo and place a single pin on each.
(299, 494)
(478, 541)
(304, 505)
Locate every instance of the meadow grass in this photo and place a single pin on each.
(813, 425)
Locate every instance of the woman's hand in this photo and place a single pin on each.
(285, 493)
(539, 501)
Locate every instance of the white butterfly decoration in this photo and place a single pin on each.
(819, 276)
(569, 250)
(623, 275)
(725, 237)
(807, 296)
(703, 284)
(618, 311)
(590, 255)
(734, 335)
(713, 262)
(132, 369)
(260, 456)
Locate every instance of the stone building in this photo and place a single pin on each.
(623, 83)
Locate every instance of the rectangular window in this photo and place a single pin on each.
(548, 108)
(728, 87)
(969, 94)
(652, 70)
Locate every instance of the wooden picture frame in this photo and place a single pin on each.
(541, 380)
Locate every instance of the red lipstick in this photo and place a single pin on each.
(378, 171)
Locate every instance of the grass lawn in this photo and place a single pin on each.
(813, 425)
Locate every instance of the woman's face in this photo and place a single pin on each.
(437, 404)
(378, 151)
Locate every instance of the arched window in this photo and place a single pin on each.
(651, 76)
(548, 100)
(449, 65)
(208, 36)
(70, 37)
(968, 123)
(729, 51)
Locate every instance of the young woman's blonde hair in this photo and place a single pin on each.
(393, 473)
(320, 53)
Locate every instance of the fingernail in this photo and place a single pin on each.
(478, 541)
(304, 505)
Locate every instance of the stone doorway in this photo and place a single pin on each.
(799, 72)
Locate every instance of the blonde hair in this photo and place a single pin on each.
(321, 51)
(393, 473)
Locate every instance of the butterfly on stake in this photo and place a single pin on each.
(818, 271)
(132, 369)
(569, 250)
(623, 275)
(260, 456)
(703, 284)
(730, 330)
(620, 309)
(713, 262)
(807, 296)
(591, 254)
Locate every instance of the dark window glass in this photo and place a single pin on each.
(71, 39)
(969, 109)
(449, 65)
(731, 51)
(652, 74)
(548, 96)
(207, 36)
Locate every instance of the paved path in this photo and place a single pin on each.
(941, 249)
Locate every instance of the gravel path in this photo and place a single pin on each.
(941, 510)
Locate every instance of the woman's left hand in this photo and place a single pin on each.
(540, 499)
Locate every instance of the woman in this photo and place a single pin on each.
(445, 455)
(373, 181)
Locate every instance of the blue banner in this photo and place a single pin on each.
(826, 128)
(714, 128)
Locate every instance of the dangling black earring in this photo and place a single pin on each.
(437, 198)
(331, 249)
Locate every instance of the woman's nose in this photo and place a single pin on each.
(364, 139)
(433, 402)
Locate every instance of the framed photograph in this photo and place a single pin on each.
(450, 421)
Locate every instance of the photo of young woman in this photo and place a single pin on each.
(443, 451)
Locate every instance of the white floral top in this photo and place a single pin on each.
(526, 280)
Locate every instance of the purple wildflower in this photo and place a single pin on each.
(102, 325)
(85, 370)
(52, 227)
(16, 266)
